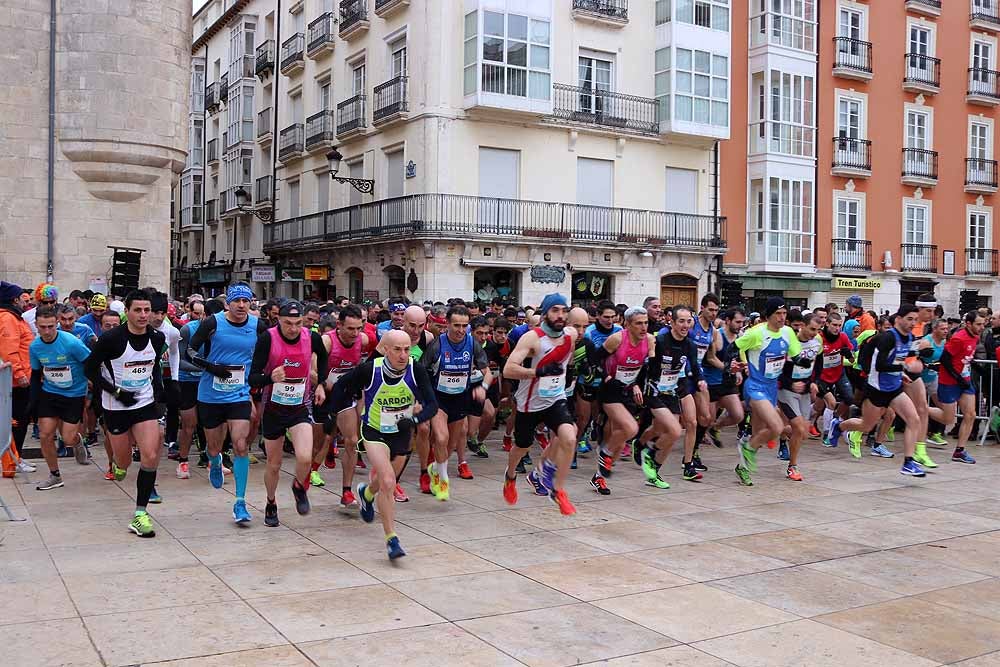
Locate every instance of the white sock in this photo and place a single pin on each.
(827, 419)
(442, 470)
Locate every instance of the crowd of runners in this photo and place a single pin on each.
(369, 384)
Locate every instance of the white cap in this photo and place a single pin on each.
(117, 306)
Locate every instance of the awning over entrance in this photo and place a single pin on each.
(784, 284)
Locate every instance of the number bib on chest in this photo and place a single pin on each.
(233, 383)
(138, 374)
(452, 383)
(551, 386)
(390, 416)
(702, 349)
(668, 381)
(289, 392)
(832, 360)
(773, 367)
(58, 376)
(799, 373)
(626, 376)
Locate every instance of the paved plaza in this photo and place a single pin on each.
(855, 566)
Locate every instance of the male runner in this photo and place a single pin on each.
(170, 359)
(603, 327)
(227, 341)
(58, 391)
(706, 339)
(69, 324)
(797, 391)
(123, 366)
(414, 322)
(482, 415)
(98, 304)
(955, 381)
(397, 306)
(723, 382)
(189, 377)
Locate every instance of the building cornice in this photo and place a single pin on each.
(219, 23)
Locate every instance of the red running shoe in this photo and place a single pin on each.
(562, 500)
(771, 444)
(108, 475)
(542, 439)
(508, 443)
(510, 490)
(463, 470)
(331, 458)
(361, 464)
(425, 483)
(814, 432)
(399, 495)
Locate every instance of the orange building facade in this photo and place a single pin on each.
(866, 163)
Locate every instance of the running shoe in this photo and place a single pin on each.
(443, 491)
(425, 483)
(118, 472)
(109, 474)
(626, 452)
(771, 444)
(508, 443)
(834, 432)
(783, 453)
(744, 475)
(361, 463)
(53, 482)
(690, 474)
(572, 464)
(271, 515)
(814, 433)
(25, 467)
(748, 455)
(183, 470)
(962, 456)
(202, 460)
(399, 495)
(698, 465)
(463, 470)
(393, 549)
(34, 431)
(330, 461)
(435, 479)
(793, 474)
(348, 501)
(826, 442)
(562, 501)
(542, 440)
(510, 490)
(215, 474)
(605, 463)
(881, 451)
(536, 482)
(63, 452)
(527, 459)
(600, 485)
(173, 451)
(367, 506)
(301, 498)
(912, 468)
(921, 457)
(656, 482)
(649, 467)
(547, 475)
(80, 452)
(142, 525)
(315, 479)
(583, 447)
(240, 513)
(155, 497)
(481, 451)
(714, 436)
(939, 439)
(890, 435)
(854, 443)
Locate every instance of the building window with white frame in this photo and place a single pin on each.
(980, 258)
(784, 119)
(661, 82)
(982, 79)
(397, 58)
(781, 221)
(514, 55)
(981, 169)
(702, 87)
(787, 23)
(919, 158)
(918, 255)
(850, 251)
(596, 74)
(712, 14)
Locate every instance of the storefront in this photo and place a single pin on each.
(797, 291)
(213, 280)
(262, 277)
(491, 282)
(290, 285)
(315, 287)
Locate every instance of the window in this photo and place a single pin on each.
(682, 190)
(848, 219)
(245, 235)
(982, 55)
(712, 14)
(850, 112)
(788, 23)
(296, 104)
(662, 82)
(792, 126)
(358, 78)
(515, 56)
(322, 191)
(781, 221)
(498, 173)
(916, 228)
(229, 241)
(920, 40)
(849, 228)
(293, 199)
(397, 58)
(702, 88)
(396, 173)
(917, 130)
(979, 230)
(596, 75)
(850, 24)
(325, 95)
(980, 144)
(470, 50)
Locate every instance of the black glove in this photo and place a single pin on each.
(926, 353)
(845, 351)
(125, 397)
(405, 426)
(549, 370)
(802, 362)
(218, 370)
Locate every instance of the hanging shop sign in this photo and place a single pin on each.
(857, 283)
(293, 274)
(262, 273)
(317, 273)
(548, 274)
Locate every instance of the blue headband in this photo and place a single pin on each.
(397, 307)
(238, 292)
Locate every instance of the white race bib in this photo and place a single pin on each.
(58, 376)
(571, 388)
(137, 374)
(289, 392)
(475, 376)
(551, 386)
(627, 376)
(773, 367)
(668, 380)
(702, 349)
(233, 383)
(390, 416)
(799, 373)
(832, 360)
(452, 383)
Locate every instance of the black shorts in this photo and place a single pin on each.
(858, 382)
(68, 409)
(120, 421)
(841, 390)
(670, 402)
(398, 446)
(329, 408)
(718, 391)
(213, 415)
(273, 424)
(456, 406)
(189, 395)
(615, 392)
(881, 399)
(553, 416)
(586, 392)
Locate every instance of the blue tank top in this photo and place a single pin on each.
(890, 381)
(454, 365)
(188, 376)
(702, 340)
(713, 375)
(232, 346)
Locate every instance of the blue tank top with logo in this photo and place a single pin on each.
(454, 365)
(232, 346)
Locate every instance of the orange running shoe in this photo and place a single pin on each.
(508, 443)
(562, 500)
(510, 490)
(771, 444)
(109, 475)
(463, 470)
(793, 474)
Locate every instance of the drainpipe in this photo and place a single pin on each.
(816, 106)
(715, 212)
(271, 288)
(50, 211)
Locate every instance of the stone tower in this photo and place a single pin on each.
(122, 74)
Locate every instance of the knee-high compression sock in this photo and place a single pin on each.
(700, 432)
(403, 469)
(241, 471)
(144, 484)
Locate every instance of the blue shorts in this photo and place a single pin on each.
(757, 391)
(950, 393)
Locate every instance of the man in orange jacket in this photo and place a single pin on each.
(856, 311)
(15, 339)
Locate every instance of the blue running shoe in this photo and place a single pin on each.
(240, 513)
(572, 466)
(215, 474)
(392, 546)
(962, 456)
(536, 482)
(367, 506)
(834, 432)
(548, 475)
(912, 468)
(583, 447)
(882, 452)
(783, 454)
(155, 497)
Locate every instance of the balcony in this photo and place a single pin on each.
(319, 131)
(247, 67)
(212, 152)
(321, 36)
(390, 101)
(291, 143)
(212, 211)
(984, 15)
(981, 262)
(469, 217)
(351, 116)
(852, 59)
(603, 109)
(852, 158)
(262, 191)
(983, 87)
(786, 31)
(264, 59)
(353, 18)
(292, 54)
(224, 87)
(387, 8)
(613, 13)
(782, 139)
(852, 255)
(191, 218)
(920, 167)
(919, 257)
(264, 132)
(980, 176)
(212, 97)
(228, 204)
(925, 7)
(921, 74)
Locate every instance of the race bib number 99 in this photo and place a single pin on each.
(289, 392)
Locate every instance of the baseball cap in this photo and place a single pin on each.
(290, 309)
(99, 301)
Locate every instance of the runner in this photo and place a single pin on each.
(123, 366)
(391, 385)
(397, 307)
(797, 390)
(286, 363)
(834, 389)
(227, 341)
(706, 339)
(721, 374)
(170, 359)
(414, 323)
(58, 391)
(955, 381)
(68, 323)
(539, 364)
(598, 332)
(483, 415)
(98, 304)
(189, 377)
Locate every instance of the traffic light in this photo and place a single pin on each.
(731, 293)
(968, 300)
(125, 265)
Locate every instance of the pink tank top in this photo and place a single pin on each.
(626, 362)
(342, 359)
(294, 391)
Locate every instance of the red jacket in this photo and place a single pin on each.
(15, 339)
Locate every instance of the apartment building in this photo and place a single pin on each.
(483, 147)
(868, 164)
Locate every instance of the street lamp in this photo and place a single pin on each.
(362, 185)
(242, 203)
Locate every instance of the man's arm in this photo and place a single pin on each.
(102, 351)
(428, 399)
(885, 344)
(261, 353)
(173, 351)
(200, 339)
(527, 346)
(182, 351)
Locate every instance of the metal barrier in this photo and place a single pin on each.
(6, 414)
(986, 380)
